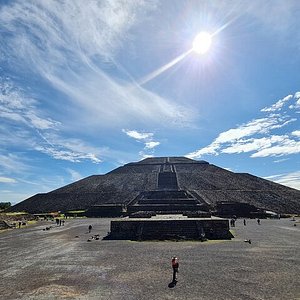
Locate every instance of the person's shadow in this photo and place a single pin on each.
(172, 284)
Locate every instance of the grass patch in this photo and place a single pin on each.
(32, 222)
(19, 213)
(232, 231)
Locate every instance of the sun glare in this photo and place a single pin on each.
(202, 42)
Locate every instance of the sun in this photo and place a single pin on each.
(202, 42)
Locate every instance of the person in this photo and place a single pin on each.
(90, 228)
(258, 221)
(175, 266)
(244, 222)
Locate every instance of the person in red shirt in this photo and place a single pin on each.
(175, 266)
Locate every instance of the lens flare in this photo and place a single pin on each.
(202, 42)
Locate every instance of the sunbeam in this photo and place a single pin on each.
(162, 69)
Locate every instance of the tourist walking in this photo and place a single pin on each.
(90, 228)
(258, 221)
(175, 266)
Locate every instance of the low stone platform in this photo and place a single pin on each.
(4, 225)
(169, 227)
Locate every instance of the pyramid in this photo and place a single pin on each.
(166, 184)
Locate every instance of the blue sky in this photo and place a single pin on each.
(87, 86)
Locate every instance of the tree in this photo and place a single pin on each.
(4, 205)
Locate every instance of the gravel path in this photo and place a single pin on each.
(55, 264)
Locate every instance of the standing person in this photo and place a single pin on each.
(244, 222)
(175, 266)
(90, 228)
(258, 221)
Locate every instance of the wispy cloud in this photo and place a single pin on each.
(75, 176)
(29, 129)
(288, 179)
(144, 155)
(67, 155)
(7, 180)
(12, 163)
(257, 135)
(70, 149)
(73, 45)
(17, 107)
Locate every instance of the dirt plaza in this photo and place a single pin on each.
(61, 263)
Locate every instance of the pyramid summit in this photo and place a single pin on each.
(164, 184)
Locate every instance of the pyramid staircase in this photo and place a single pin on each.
(168, 197)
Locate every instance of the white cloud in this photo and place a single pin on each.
(278, 105)
(209, 150)
(257, 126)
(286, 147)
(138, 135)
(151, 145)
(257, 136)
(296, 133)
(253, 144)
(290, 179)
(296, 105)
(7, 180)
(146, 138)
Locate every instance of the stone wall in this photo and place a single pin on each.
(185, 229)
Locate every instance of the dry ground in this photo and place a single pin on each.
(55, 264)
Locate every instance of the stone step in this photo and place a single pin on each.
(167, 180)
(161, 207)
(168, 201)
(166, 195)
